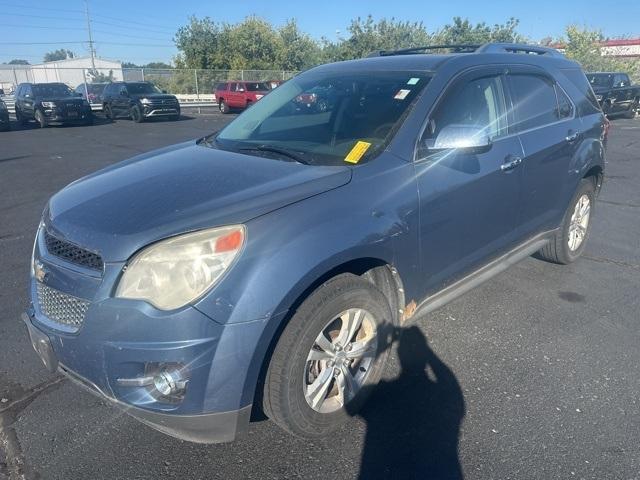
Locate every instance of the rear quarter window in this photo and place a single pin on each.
(586, 101)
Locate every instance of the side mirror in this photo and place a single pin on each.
(462, 137)
(26, 95)
(241, 89)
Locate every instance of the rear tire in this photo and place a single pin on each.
(290, 398)
(224, 108)
(569, 241)
(40, 119)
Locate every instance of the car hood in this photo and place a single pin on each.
(182, 188)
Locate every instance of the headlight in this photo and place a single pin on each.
(145, 101)
(49, 104)
(171, 273)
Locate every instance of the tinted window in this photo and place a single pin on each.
(256, 86)
(233, 86)
(565, 107)
(587, 102)
(534, 100)
(600, 79)
(348, 115)
(221, 86)
(477, 103)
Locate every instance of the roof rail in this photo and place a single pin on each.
(518, 48)
(462, 48)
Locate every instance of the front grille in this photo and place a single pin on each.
(72, 253)
(60, 307)
(163, 103)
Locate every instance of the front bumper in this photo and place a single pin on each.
(150, 111)
(58, 115)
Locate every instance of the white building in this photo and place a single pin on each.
(72, 71)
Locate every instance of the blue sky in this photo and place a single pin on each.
(141, 31)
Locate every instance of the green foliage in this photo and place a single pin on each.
(17, 61)
(461, 31)
(61, 54)
(99, 77)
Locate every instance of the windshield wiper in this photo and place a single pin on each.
(278, 150)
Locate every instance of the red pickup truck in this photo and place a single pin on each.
(239, 94)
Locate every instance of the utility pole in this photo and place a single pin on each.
(92, 51)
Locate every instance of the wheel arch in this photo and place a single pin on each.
(374, 269)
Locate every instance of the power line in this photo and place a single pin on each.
(43, 43)
(128, 36)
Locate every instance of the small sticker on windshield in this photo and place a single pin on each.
(402, 94)
(413, 81)
(356, 153)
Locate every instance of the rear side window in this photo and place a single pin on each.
(534, 100)
(565, 107)
(476, 103)
(587, 103)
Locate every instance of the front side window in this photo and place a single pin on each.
(476, 106)
(256, 86)
(534, 101)
(323, 117)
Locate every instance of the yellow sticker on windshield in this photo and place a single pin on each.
(356, 153)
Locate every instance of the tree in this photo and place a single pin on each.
(461, 31)
(17, 61)
(200, 44)
(60, 54)
(367, 36)
(297, 49)
(158, 65)
(129, 65)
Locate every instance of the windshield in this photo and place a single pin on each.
(600, 80)
(257, 87)
(52, 90)
(327, 118)
(141, 88)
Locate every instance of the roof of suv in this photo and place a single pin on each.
(497, 53)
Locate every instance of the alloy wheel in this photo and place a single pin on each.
(579, 223)
(339, 361)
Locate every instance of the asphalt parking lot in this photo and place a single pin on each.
(543, 360)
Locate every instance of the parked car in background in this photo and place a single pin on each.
(138, 101)
(239, 95)
(616, 94)
(92, 92)
(271, 264)
(317, 100)
(5, 123)
(50, 103)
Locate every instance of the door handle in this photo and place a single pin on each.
(572, 137)
(515, 161)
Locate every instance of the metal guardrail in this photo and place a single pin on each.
(186, 101)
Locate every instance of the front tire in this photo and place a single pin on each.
(108, 112)
(329, 357)
(136, 114)
(633, 109)
(224, 108)
(20, 119)
(569, 241)
(40, 119)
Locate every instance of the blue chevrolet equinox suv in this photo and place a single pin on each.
(269, 264)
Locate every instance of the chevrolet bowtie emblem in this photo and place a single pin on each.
(39, 272)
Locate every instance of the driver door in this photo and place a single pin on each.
(469, 197)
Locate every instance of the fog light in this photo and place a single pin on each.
(169, 382)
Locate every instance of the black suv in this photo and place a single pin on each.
(48, 103)
(138, 100)
(4, 117)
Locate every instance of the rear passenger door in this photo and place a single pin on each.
(469, 199)
(232, 96)
(550, 133)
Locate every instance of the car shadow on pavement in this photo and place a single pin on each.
(413, 421)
